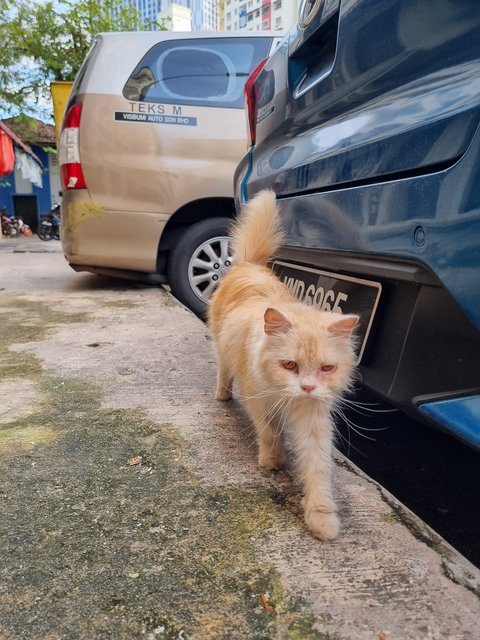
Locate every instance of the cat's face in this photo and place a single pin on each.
(309, 355)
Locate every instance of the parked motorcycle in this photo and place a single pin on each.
(49, 228)
(9, 228)
(22, 227)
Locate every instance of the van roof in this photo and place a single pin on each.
(155, 36)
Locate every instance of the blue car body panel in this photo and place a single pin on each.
(368, 131)
(460, 415)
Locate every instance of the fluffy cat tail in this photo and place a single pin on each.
(256, 234)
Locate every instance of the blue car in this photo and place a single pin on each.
(365, 122)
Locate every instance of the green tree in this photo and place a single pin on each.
(44, 41)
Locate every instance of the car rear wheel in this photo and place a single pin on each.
(198, 261)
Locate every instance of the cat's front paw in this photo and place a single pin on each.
(223, 394)
(269, 462)
(324, 526)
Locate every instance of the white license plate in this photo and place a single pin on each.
(334, 292)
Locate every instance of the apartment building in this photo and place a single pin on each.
(175, 17)
(204, 13)
(257, 15)
(148, 9)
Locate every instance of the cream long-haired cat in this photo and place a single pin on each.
(291, 361)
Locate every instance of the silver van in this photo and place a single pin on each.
(153, 130)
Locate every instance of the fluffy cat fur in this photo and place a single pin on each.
(291, 362)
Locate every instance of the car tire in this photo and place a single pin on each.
(197, 262)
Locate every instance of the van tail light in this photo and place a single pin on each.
(251, 98)
(69, 151)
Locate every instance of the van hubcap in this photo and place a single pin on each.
(207, 265)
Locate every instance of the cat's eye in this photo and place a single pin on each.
(328, 368)
(290, 365)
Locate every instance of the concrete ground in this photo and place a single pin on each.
(132, 506)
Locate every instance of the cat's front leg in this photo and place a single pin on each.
(224, 383)
(321, 519)
(269, 434)
(313, 445)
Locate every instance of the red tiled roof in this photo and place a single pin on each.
(39, 132)
(19, 142)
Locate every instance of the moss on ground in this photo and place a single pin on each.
(22, 321)
(118, 304)
(108, 532)
(116, 536)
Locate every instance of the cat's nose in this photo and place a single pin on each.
(308, 388)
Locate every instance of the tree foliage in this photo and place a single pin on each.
(48, 40)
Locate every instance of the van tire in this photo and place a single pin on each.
(184, 277)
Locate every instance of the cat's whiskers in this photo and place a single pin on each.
(339, 410)
(360, 407)
(261, 394)
(249, 430)
(347, 442)
(355, 427)
(269, 416)
(273, 411)
(283, 418)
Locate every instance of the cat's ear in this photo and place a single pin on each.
(275, 322)
(344, 326)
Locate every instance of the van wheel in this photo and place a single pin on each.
(197, 262)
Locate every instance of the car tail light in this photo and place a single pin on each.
(251, 97)
(69, 151)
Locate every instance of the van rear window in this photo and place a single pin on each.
(208, 72)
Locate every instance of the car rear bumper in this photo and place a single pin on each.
(95, 237)
(460, 416)
(422, 349)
